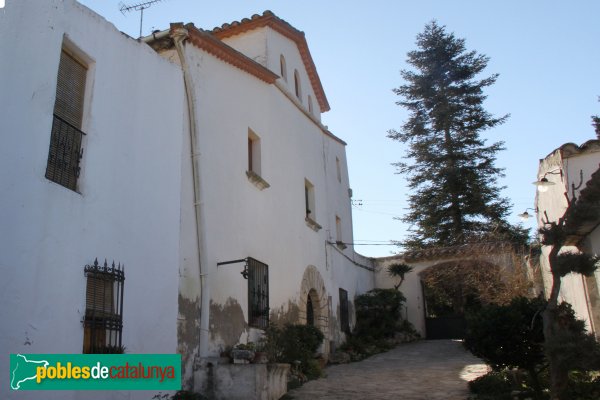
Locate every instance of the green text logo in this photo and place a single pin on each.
(95, 371)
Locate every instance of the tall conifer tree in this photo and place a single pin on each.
(455, 194)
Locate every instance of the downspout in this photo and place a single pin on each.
(179, 35)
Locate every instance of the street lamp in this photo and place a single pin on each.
(543, 184)
(525, 215)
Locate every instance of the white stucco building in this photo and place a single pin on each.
(187, 157)
(112, 192)
(567, 170)
(270, 185)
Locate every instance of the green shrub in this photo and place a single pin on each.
(378, 313)
(493, 385)
(292, 344)
(583, 386)
(508, 336)
(377, 322)
(312, 369)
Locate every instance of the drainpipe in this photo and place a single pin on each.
(179, 35)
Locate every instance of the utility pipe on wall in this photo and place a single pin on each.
(179, 35)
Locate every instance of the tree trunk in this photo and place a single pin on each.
(456, 212)
(559, 377)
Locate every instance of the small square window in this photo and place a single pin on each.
(338, 233)
(309, 205)
(253, 152)
(309, 199)
(254, 161)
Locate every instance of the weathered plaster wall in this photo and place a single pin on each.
(240, 220)
(128, 205)
(553, 204)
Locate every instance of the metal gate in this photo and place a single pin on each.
(450, 327)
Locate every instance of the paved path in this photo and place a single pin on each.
(425, 370)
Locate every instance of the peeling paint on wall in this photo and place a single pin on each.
(289, 314)
(188, 337)
(227, 322)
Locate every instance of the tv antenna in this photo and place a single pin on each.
(137, 7)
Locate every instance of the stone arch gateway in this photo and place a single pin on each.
(314, 295)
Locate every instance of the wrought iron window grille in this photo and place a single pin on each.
(257, 274)
(65, 153)
(103, 320)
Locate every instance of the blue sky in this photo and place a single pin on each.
(546, 52)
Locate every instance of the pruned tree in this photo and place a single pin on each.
(454, 181)
(399, 270)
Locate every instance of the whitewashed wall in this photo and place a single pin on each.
(265, 46)
(128, 208)
(269, 225)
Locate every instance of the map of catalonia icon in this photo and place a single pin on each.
(23, 370)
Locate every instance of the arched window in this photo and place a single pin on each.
(283, 67)
(297, 85)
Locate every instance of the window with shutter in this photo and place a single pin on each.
(258, 294)
(103, 320)
(66, 150)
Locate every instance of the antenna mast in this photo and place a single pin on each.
(137, 7)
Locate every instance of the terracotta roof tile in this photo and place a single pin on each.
(206, 41)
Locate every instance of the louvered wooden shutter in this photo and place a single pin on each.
(70, 90)
(99, 296)
(65, 140)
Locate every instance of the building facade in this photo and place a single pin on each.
(195, 161)
(566, 172)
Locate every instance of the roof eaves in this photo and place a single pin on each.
(207, 42)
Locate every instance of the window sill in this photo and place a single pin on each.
(257, 181)
(312, 224)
